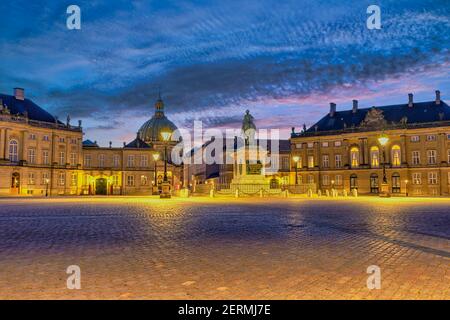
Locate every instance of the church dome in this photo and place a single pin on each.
(151, 130)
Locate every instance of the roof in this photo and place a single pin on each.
(390, 115)
(34, 112)
(89, 144)
(138, 144)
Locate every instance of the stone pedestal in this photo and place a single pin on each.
(165, 190)
(385, 190)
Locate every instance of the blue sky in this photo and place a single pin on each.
(283, 60)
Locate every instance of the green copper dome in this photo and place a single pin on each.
(151, 130)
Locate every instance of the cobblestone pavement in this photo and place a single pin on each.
(147, 248)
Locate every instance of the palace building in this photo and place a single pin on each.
(407, 145)
(41, 155)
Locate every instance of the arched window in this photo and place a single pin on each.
(13, 151)
(396, 156)
(354, 157)
(374, 157)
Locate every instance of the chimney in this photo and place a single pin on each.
(19, 93)
(332, 109)
(438, 97)
(355, 106)
(410, 100)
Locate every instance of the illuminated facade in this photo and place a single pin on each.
(344, 150)
(41, 155)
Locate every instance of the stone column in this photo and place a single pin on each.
(403, 151)
(5, 145)
(23, 145)
(441, 147)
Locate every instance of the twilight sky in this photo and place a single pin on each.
(283, 60)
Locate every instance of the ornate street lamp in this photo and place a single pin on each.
(155, 156)
(383, 139)
(165, 186)
(296, 159)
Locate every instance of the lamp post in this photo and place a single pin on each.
(383, 140)
(165, 186)
(155, 184)
(296, 159)
(46, 186)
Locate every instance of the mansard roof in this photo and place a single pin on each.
(89, 144)
(26, 106)
(138, 143)
(421, 114)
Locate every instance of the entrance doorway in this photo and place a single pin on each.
(15, 183)
(374, 188)
(353, 182)
(101, 186)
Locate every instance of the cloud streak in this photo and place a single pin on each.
(214, 61)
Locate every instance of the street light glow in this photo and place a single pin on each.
(383, 139)
(296, 158)
(166, 135)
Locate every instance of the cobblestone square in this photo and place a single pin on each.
(201, 248)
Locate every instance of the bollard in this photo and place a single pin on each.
(211, 193)
(261, 193)
(319, 193)
(327, 193)
(236, 194)
(344, 193)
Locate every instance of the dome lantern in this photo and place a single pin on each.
(151, 130)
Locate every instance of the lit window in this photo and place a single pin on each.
(115, 180)
(310, 178)
(298, 145)
(325, 144)
(310, 161)
(13, 151)
(31, 178)
(354, 156)
(432, 178)
(431, 156)
(45, 178)
(374, 157)
(338, 161)
(325, 180)
(310, 145)
(337, 143)
(62, 178)
(144, 180)
(73, 179)
(417, 178)
(338, 180)
(415, 157)
(396, 156)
